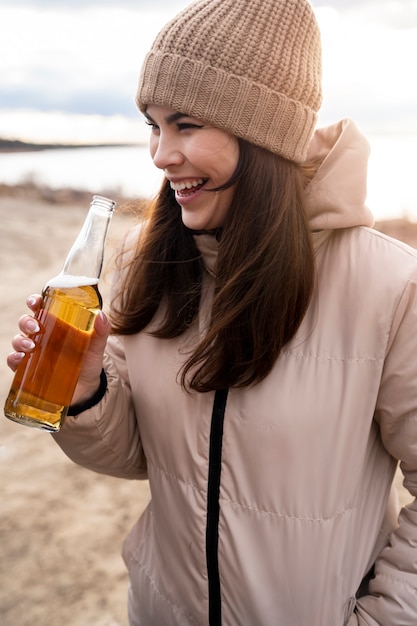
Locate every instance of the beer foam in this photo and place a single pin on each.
(65, 281)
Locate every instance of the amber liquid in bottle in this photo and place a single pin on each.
(44, 382)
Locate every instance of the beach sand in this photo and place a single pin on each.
(61, 526)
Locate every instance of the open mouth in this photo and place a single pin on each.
(189, 187)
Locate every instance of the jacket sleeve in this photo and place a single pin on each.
(392, 595)
(105, 438)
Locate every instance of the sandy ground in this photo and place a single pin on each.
(61, 526)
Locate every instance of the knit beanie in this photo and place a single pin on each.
(250, 67)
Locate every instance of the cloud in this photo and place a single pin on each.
(344, 4)
(83, 57)
(93, 101)
(367, 70)
(69, 4)
(91, 65)
(395, 13)
(399, 14)
(142, 5)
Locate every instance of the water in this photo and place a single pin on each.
(129, 171)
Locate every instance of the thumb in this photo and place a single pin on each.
(102, 325)
(93, 361)
(100, 335)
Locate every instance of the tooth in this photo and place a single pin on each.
(187, 185)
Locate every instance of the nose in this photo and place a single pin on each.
(165, 151)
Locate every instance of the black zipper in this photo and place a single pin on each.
(213, 507)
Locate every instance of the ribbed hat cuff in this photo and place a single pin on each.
(244, 108)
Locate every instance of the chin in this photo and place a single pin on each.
(197, 225)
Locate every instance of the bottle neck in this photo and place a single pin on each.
(85, 259)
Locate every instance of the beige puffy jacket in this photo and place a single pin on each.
(269, 504)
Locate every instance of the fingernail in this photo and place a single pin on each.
(33, 326)
(103, 317)
(31, 301)
(28, 343)
(18, 356)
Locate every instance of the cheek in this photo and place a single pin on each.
(225, 201)
(218, 148)
(230, 158)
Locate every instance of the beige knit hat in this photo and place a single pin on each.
(251, 67)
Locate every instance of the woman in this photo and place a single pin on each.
(261, 369)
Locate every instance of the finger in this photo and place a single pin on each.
(21, 343)
(99, 337)
(34, 302)
(28, 325)
(14, 359)
(102, 324)
(89, 379)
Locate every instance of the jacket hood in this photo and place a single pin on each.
(335, 197)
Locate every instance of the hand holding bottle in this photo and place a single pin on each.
(89, 379)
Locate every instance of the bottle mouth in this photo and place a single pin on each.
(104, 203)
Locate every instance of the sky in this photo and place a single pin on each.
(69, 68)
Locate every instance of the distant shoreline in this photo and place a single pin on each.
(400, 228)
(15, 145)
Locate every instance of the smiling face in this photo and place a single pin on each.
(195, 158)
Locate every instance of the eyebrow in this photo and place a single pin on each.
(170, 119)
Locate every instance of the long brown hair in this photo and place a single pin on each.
(264, 275)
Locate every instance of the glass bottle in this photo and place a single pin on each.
(45, 380)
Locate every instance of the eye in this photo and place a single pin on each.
(188, 126)
(151, 124)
